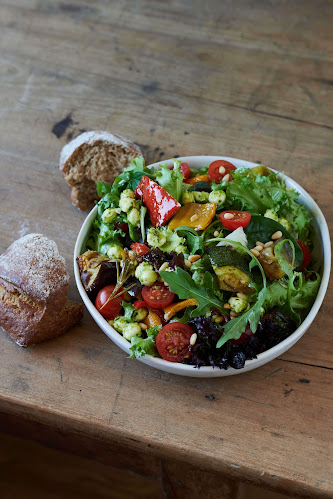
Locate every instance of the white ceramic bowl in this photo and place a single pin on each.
(322, 254)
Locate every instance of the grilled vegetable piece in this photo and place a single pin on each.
(231, 268)
(262, 170)
(174, 308)
(197, 178)
(233, 279)
(194, 215)
(269, 261)
(270, 264)
(96, 272)
(161, 206)
(152, 319)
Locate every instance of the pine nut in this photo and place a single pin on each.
(193, 339)
(267, 245)
(143, 325)
(276, 235)
(221, 169)
(255, 252)
(194, 217)
(259, 243)
(242, 296)
(227, 306)
(194, 258)
(259, 248)
(216, 233)
(188, 264)
(226, 178)
(164, 266)
(219, 319)
(229, 216)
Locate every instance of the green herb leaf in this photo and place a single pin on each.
(181, 283)
(195, 242)
(144, 346)
(171, 180)
(128, 310)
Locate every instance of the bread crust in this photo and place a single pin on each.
(94, 156)
(33, 291)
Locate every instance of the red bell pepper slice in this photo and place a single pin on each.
(161, 206)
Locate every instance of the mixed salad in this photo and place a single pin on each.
(205, 267)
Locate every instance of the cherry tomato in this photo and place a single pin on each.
(247, 333)
(239, 219)
(173, 342)
(113, 307)
(157, 296)
(139, 303)
(139, 248)
(306, 255)
(214, 170)
(185, 169)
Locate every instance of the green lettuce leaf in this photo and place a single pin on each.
(144, 346)
(170, 180)
(257, 193)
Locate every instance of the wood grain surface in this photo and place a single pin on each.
(243, 79)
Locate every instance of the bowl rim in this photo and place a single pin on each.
(262, 358)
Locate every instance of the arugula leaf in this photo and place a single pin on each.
(195, 242)
(181, 283)
(171, 180)
(144, 346)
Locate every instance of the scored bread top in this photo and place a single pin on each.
(92, 137)
(34, 264)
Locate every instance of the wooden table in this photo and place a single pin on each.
(233, 78)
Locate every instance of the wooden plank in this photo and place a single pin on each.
(295, 88)
(243, 426)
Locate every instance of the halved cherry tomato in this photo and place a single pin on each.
(139, 303)
(306, 255)
(197, 178)
(173, 342)
(113, 307)
(139, 248)
(239, 219)
(185, 169)
(157, 296)
(214, 170)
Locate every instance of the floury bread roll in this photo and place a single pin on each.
(94, 156)
(33, 291)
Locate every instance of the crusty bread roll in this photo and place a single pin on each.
(33, 291)
(94, 156)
